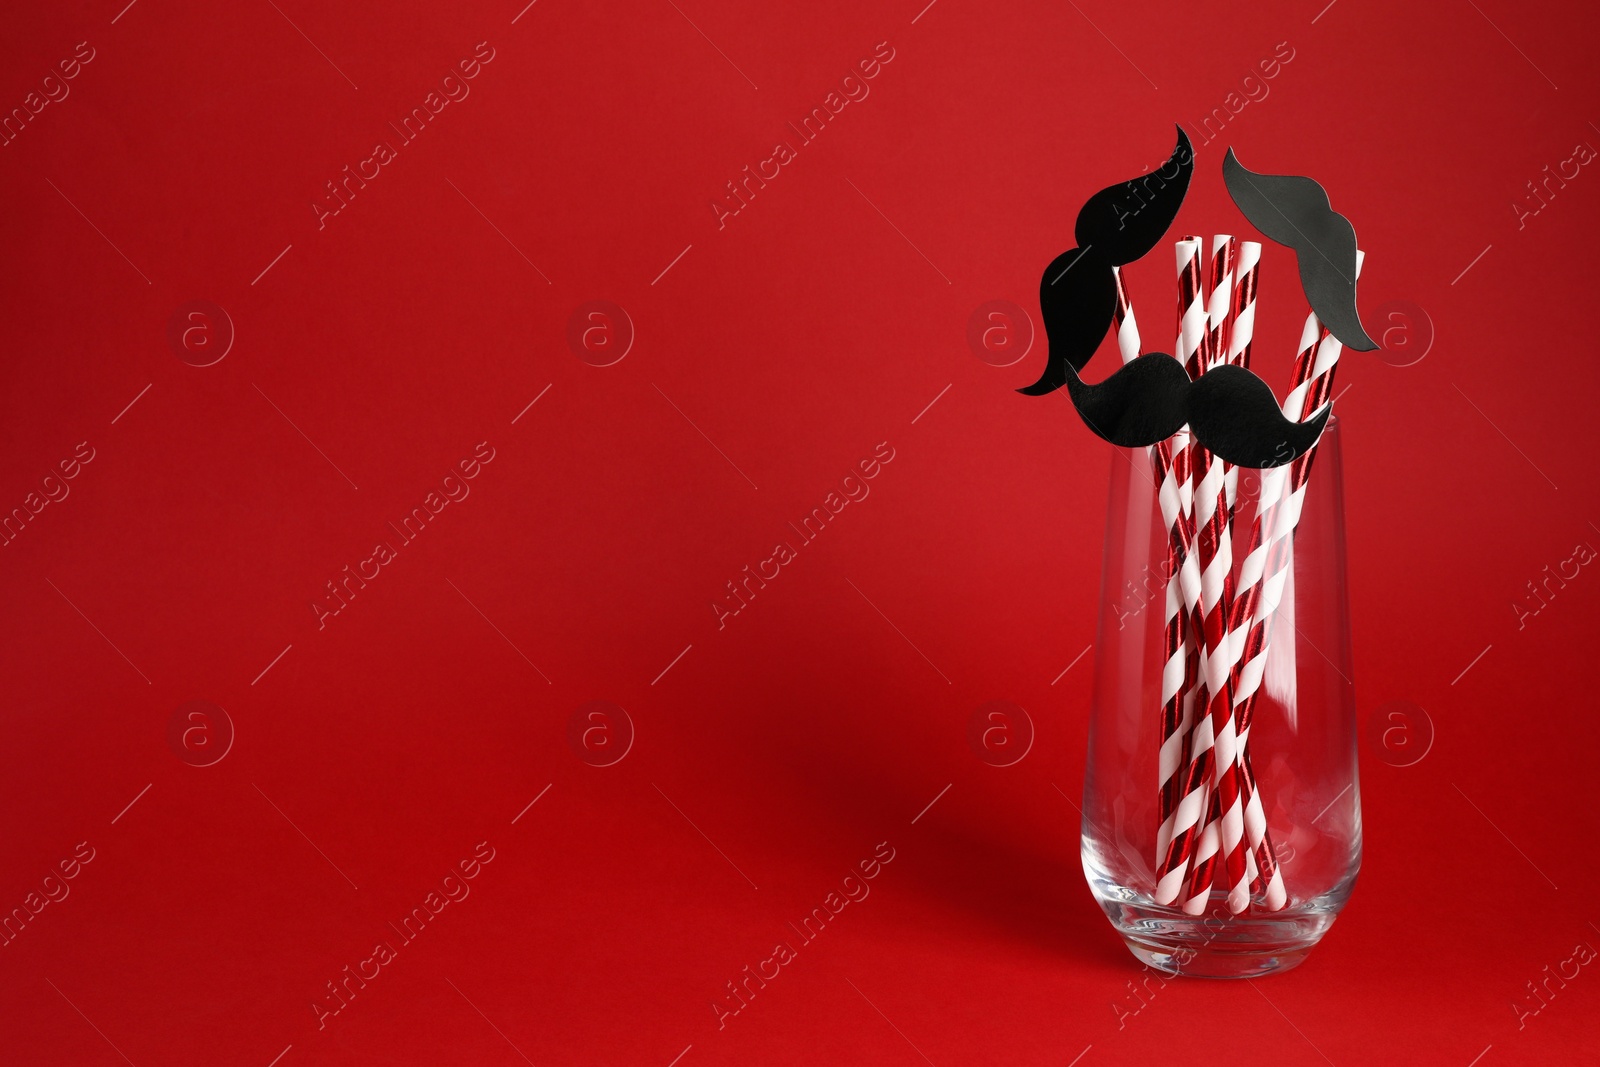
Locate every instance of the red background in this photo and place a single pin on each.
(821, 320)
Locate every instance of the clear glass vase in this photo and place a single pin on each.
(1301, 744)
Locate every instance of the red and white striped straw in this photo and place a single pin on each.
(1248, 639)
(1219, 305)
(1128, 344)
(1242, 330)
(1191, 339)
(1174, 675)
(1243, 333)
(1238, 862)
(1192, 317)
(1313, 384)
(1180, 832)
(1224, 825)
(1262, 579)
(1212, 739)
(1214, 348)
(1176, 754)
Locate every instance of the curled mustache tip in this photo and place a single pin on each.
(1123, 222)
(1295, 212)
(1054, 378)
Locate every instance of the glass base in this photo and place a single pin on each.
(1215, 943)
(1218, 944)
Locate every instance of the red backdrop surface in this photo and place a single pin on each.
(372, 342)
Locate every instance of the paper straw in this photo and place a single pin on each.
(1224, 827)
(1241, 331)
(1175, 675)
(1192, 315)
(1127, 326)
(1264, 575)
(1181, 835)
(1219, 305)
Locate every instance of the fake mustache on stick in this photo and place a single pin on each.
(1230, 410)
(1295, 212)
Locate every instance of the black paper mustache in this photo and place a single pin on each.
(1295, 212)
(1229, 409)
(1117, 225)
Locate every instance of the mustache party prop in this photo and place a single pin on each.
(1234, 414)
(1229, 409)
(1295, 212)
(1078, 293)
(1144, 402)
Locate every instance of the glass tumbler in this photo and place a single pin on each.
(1302, 738)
